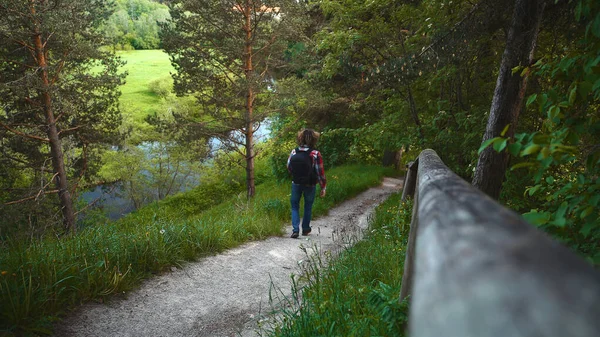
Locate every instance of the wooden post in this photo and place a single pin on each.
(481, 270)
(411, 180)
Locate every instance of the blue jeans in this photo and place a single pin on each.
(309, 198)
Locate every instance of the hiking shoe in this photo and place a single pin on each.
(294, 235)
(306, 231)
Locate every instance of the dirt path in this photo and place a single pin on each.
(222, 295)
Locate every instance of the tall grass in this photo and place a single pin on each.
(39, 280)
(355, 294)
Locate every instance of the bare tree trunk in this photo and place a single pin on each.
(249, 103)
(56, 151)
(509, 93)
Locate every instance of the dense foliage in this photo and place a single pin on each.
(59, 107)
(135, 24)
(562, 152)
(389, 75)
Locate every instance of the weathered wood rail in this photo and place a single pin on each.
(475, 269)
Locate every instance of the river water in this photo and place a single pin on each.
(116, 199)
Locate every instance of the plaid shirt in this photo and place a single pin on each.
(317, 163)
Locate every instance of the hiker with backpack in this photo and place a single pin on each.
(306, 166)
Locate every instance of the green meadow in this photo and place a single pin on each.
(143, 66)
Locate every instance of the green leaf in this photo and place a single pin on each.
(486, 144)
(565, 149)
(542, 99)
(550, 180)
(587, 229)
(536, 218)
(596, 84)
(559, 217)
(594, 200)
(514, 148)
(544, 153)
(546, 162)
(572, 96)
(500, 144)
(519, 165)
(531, 99)
(539, 138)
(521, 136)
(505, 130)
(596, 26)
(531, 191)
(553, 112)
(587, 211)
(530, 149)
(584, 89)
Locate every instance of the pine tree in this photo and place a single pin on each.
(225, 54)
(58, 94)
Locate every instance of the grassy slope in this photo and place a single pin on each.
(42, 279)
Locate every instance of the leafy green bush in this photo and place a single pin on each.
(162, 87)
(335, 145)
(562, 156)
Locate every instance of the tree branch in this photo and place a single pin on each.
(70, 129)
(46, 140)
(31, 197)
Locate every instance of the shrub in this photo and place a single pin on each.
(161, 87)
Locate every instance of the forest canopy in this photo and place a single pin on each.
(135, 24)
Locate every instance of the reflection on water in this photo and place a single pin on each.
(111, 201)
(116, 200)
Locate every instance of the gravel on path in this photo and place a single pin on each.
(225, 294)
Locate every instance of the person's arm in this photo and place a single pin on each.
(289, 168)
(321, 174)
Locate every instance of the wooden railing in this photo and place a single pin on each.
(477, 269)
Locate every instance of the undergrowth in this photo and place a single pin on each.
(355, 293)
(39, 280)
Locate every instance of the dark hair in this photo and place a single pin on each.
(308, 137)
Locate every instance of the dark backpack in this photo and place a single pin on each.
(302, 167)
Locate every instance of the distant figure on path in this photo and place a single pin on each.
(306, 166)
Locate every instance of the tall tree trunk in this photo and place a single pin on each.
(509, 93)
(413, 111)
(411, 99)
(56, 151)
(249, 102)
